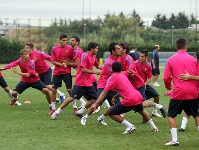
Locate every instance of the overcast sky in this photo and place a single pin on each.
(73, 9)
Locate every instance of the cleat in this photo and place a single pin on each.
(83, 121)
(155, 130)
(163, 111)
(129, 130)
(156, 115)
(75, 110)
(181, 130)
(51, 112)
(57, 100)
(62, 98)
(78, 115)
(12, 101)
(156, 84)
(17, 103)
(102, 121)
(54, 115)
(171, 143)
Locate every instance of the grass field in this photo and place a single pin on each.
(30, 127)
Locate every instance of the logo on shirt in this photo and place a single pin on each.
(66, 51)
(145, 69)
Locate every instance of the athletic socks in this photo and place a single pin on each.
(184, 122)
(174, 134)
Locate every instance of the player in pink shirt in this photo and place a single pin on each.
(145, 72)
(59, 55)
(29, 77)
(182, 98)
(132, 99)
(185, 77)
(42, 67)
(4, 85)
(106, 72)
(83, 85)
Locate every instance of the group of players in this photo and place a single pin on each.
(120, 76)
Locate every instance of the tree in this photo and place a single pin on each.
(136, 16)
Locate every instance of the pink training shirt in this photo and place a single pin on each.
(144, 70)
(41, 66)
(77, 53)
(87, 61)
(118, 81)
(128, 64)
(58, 54)
(26, 67)
(107, 71)
(176, 65)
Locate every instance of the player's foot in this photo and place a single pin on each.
(51, 112)
(102, 121)
(80, 107)
(129, 130)
(54, 115)
(12, 101)
(62, 98)
(17, 103)
(163, 111)
(156, 84)
(155, 130)
(156, 115)
(57, 100)
(181, 130)
(171, 143)
(78, 115)
(83, 121)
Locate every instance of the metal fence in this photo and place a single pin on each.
(33, 30)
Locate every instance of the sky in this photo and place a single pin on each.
(78, 9)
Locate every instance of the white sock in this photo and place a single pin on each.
(184, 122)
(58, 110)
(154, 110)
(74, 104)
(107, 103)
(59, 93)
(82, 101)
(10, 94)
(174, 134)
(81, 110)
(151, 123)
(158, 106)
(102, 117)
(53, 105)
(86, 116)
(198, 128)
(49, 105)
(127, 124)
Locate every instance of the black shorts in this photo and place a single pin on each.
(119, 109)
(142, 92)
(109, 96)
(3, 83)
(95, 85)
(46, 77)
(57, 80)
(151, 92)
(88, 92)
(22, 86)
(190, 107)
(155, 71)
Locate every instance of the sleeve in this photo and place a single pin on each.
(84, 59)
(77, 54)
(110, 84)
(153, 55)
(96, 63)
(149, 73)
(31, 68)
(46, 57)
(53, 55)
(167, 76)
(12, 64)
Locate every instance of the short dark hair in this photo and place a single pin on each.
(76, 38)
(156, 46)
(92, 45)
(144, 51)
(30, 45)
(112, 46)
(126, 46)
(116, 66)
(181, 43)
(134, 47)
(62, 36)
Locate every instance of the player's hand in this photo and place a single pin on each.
(1, 69)
(98, 72)
(113, 100)
(185, 76)
(154, 66)
(35, 59)
(14, 70)
(130, 72)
